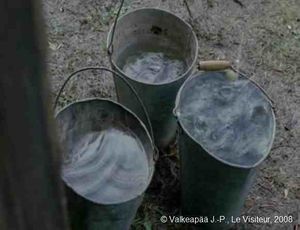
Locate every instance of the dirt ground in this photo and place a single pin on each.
(261, 37)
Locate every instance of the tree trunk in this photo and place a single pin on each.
(31, 195)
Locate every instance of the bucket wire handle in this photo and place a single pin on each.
(271, 101)
(215, 65)
(110, 46)
(125, 81)
(110, 52)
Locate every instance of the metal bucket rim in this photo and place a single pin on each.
(150, 162)
(191, 66)
(114, 102)
(175, 112)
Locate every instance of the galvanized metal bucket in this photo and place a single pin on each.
(152, 30)
(213, 185)
(101, 197)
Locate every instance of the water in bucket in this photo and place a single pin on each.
(149, 64)
(229, 118)
(106, 166)
(107, 151)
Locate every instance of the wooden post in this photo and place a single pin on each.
(31, 195)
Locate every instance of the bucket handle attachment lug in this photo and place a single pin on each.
(126, 82)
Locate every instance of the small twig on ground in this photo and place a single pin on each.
(239, 3)
(188, 9)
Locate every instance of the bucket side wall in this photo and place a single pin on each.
(84, 214)
(159, 101)
(113, 217)
(209, 187)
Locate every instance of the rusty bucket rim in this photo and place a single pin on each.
(191, 66)
(151, 161)
(177, 115)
